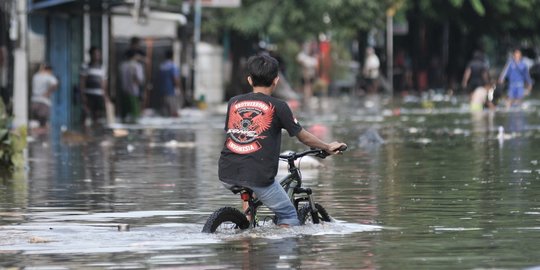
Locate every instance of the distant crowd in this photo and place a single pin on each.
(95, 99)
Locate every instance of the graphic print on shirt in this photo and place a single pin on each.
(247, 121)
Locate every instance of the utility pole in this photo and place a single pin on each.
(390, 48)
(20, 81)
(390, 13)
(196, 41)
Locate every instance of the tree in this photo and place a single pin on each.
(453, 28)
(493, 26)
(289, 23)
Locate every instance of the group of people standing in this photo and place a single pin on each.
(95, 97)
(482, 88)
(310, 60)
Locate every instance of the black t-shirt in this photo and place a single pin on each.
(253, 124)
(478, 67)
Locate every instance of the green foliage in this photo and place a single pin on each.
(287, 22)
(516, 18)
(288, 50)
(478, 7)
(12, 142)
(297, 20)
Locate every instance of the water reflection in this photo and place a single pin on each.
(441, 192)
(13, 196)
(271, 253)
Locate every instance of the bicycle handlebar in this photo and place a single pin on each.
(312, 152)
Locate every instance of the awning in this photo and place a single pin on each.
(73, 5)
(116, 7)
(154, 14)
(44, 4)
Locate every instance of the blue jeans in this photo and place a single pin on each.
(275, 198)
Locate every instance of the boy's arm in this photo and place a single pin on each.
(312, 141)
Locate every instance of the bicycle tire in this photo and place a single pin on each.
(224, 215)
(305, 213)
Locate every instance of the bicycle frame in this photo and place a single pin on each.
(292, 183)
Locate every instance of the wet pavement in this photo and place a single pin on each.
(423, 186)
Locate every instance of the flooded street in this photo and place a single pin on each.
(438, 188)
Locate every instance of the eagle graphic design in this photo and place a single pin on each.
(247, 123)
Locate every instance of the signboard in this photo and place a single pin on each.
(401, 27)
(221, 3)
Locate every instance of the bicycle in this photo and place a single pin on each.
(231, 219)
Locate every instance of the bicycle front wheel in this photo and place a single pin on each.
(306, 215)
(226, 220)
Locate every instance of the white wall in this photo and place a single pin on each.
(127, 27)
(209, 79)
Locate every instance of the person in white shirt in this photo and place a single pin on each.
(44, 83)
(309, 63)
(370, 71)
(93, 85)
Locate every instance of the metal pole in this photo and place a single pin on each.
(197, 31)
(390, 52)
(87, 36)
(196, 40)
(20, 85)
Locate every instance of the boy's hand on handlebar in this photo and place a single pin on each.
(336, 148)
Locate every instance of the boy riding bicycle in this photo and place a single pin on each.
(251, 150)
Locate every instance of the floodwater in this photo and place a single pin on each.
(425, 186)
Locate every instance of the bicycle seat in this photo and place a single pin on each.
(238, 189)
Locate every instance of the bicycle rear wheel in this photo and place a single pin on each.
(226, 220)
(306, 215)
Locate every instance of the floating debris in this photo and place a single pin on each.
(413, 130)
(523, 171)
(73, 137)
(38, 240)
(173, 144)
(424, 141)
(130, 148)
(370, 138)
(120, 132)
(123, 227)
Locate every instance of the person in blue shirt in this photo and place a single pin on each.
(169, 88)
(519, 80)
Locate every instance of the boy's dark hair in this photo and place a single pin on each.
(262, 69)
